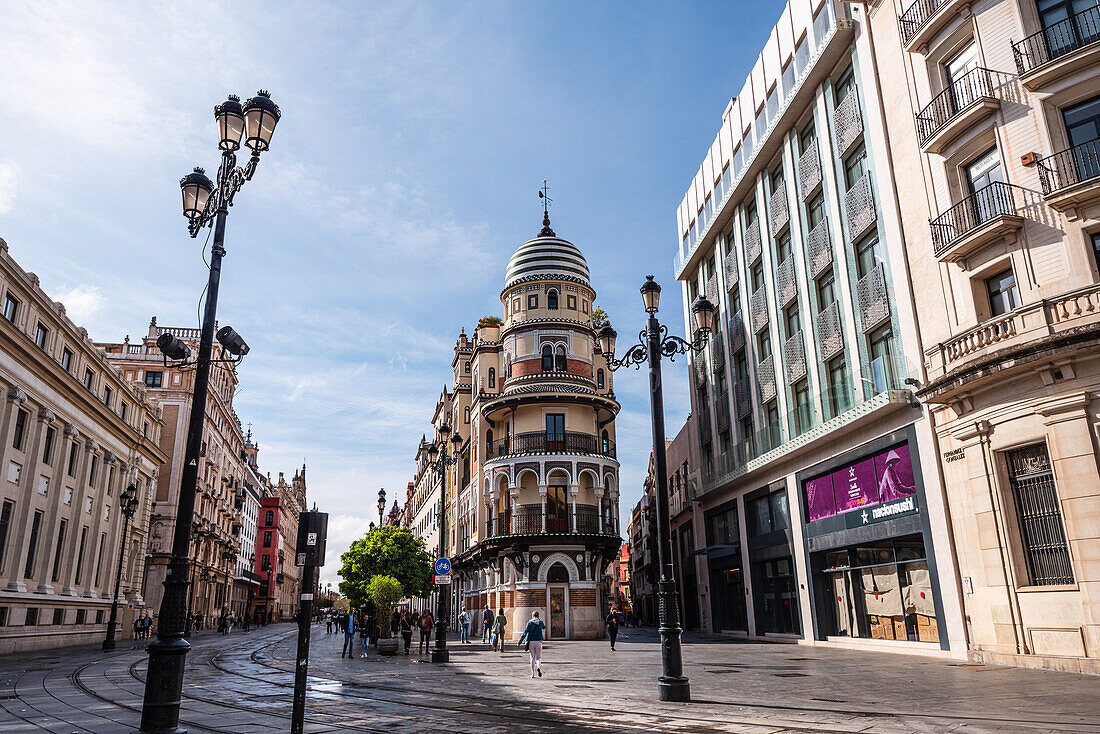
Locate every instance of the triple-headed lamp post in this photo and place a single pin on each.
(654, 344)
(447, 457)
(204, 205)
(128, 502)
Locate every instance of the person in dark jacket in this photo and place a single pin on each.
(406, 625)
(425, 624)
(347, 624)
(612, 626)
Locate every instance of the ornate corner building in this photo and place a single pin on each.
(533, 514)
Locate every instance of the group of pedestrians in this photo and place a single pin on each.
(143, 627)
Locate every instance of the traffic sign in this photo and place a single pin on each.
(444, 580)
(442, 566)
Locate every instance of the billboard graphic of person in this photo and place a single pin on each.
(892, 485)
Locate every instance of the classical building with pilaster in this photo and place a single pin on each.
(533, 505)
(74, 434)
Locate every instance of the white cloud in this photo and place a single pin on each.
(82, 303)
(9, 180)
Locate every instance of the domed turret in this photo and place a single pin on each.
(547, 256)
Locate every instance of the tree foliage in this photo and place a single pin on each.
(599, 317)
(490, 321)
(384, 591)
(386, 551)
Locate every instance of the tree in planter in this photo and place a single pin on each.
(391, 551)
(599, 317)
(384, 591)
(490, 321)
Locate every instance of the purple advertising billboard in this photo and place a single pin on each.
(879, 478)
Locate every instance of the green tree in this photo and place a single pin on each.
(599, 317)
(384, 591)
(390, 551)
(490, 321)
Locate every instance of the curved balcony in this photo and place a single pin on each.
(925, 18)
(1071, 177)
(1059, 49)
(984, 217)
(528, 520)
(956, 109)
(541, 442)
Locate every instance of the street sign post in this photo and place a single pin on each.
(310, 554)
(442, 566)
(445, 580)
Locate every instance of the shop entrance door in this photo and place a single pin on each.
(557, 613)
(727, 587)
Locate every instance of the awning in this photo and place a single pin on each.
(718, 551)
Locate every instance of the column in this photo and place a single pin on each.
(20, 525)
(573, 490)
(599, 505)
(514, 494)
(542, 501)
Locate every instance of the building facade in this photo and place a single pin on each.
(74, 435)
(820, 515)
(992, 114)
(532, 505)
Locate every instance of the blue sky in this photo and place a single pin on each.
(402, 176)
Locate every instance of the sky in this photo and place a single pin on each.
(402, 175)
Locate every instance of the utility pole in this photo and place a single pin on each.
(310, 555)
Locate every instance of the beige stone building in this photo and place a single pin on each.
(74, 434)
(217, 524)
(992, 114)
(292, 502)
(532, 505)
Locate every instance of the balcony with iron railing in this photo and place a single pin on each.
(542, 442)
(528, 520)
(980, 219)
(956, 109)
(925, 18)
(1071, 177)
(1060, 49)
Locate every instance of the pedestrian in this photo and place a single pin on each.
(148, 625)
(612, 626)
(407, 630)
(425, 625)
(328, 623)
(395, 623)
(532, 634)
(499, 626)
(246, 622)
(364, 634)
(486, 623)
(464, 625)
(347, 624)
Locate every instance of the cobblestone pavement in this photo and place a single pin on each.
(243, 684)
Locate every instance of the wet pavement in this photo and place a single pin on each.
(243, 683)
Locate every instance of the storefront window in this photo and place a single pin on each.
(779, 611)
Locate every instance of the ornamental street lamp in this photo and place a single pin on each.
(128, 502)
(204, 205)
(199, 532)
(381, 505)
(655, 343)
(447, 457)
(248, 576)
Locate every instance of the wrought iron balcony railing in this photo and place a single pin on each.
(969, 89)
(984, 205)
(543, 442)
(915, 16)
(1057, 40)
(528, 520)
(1070, 167)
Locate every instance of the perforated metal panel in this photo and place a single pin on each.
(736, 333)
(830, 338)
(717, 351)
(819, 247)
(699, 368)
(809, 171)
(765, 375)
(847, 122)
(722, 411)
(758, 307)
(742, 396)
(794, 358)
(859, 204)
(874, 306)
(712, 290)
(786, 285)
(729, 268)
(780, 212)
(752, 243)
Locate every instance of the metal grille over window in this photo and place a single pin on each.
(786, 286)
(830, 339)
(1040, 516)
(820, 248)
(874, 306)
(736, 333)
(717, 352)
(700, 369)
(729, 268)
(758, 306)
(742, 396)
(753, 245)
(722, 411)
(779, 210)
(794, 358)
(712, 289)
(859, 203)
(809, 171)
(766, 376)
(848, 123)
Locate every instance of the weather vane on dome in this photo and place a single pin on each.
(544, 194)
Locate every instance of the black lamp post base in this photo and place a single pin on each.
(109, 642)
(675, 690)
(441, 656)
(160, 711)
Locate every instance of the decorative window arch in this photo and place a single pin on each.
(489, 440)
(552, 300)
(493, 378)
(599, 379)
(559, 359)
(547, 358)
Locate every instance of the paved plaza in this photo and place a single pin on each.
(242, 683)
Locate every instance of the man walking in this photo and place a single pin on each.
(486, 623)
(425, 624)
(407, 630)
(464, 625)
(347, 623)
(612, 626)
(328, 623)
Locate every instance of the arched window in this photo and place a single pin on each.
(466, 415)
(599, 379)
(560, 361)
(489, 442)
(269, 518)
(552, 300)
(557, 574)
(606, 441)
(492, 378)
(547, 358)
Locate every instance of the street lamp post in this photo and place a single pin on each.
(198, 532)
(129, 502)
(203, 205)
(381, 505)
(248, 607)
(447, 457)
(654, 344)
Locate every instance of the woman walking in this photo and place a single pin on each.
(499, 625)
(532, 634)
(364, 635)
(407, 630)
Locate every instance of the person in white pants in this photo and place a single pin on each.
(532, 635)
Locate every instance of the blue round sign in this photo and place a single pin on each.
(442, 566)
